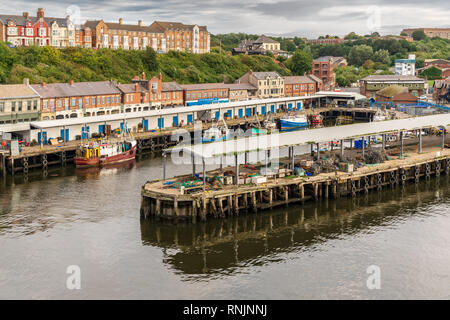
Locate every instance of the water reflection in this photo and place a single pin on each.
(230, 245)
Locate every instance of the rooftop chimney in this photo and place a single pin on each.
(160, 76)
(136, 87)
(40, 13)
(120, 21)
(71, 82)
(25, 15)
(26, 81)
(43, 84)
(143, 75)
(140, 23)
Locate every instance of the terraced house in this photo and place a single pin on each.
(78, 99)
(269, 84)
(161, 36)
(25, 30)
(18, 103)
(180, 37)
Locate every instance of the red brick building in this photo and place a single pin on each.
(78, 99)
(298, 86)
(195, 92)
(25, 30)
(323, 69)
(171, 94)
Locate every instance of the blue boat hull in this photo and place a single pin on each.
(292, 125)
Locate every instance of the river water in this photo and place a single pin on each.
(318, 251)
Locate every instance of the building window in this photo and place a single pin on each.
(73, 102)
(108, 100)
(87, 102)
(20, 106)
(80, 102)
(2, 107)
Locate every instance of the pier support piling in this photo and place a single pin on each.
(363, 146)
(292, 160)
(420, 141)
(401, 143)
(237, 169)
(164, 156)
(204, 174)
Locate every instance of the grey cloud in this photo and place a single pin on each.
(299, 17)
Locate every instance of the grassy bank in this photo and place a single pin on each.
(49, 65)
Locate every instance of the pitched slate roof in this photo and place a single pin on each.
(22, 21)
(19, 20)
(297, 79)
(164, 25)
(131, 88)
(171, 86)
(127, 27)
(204, 86)
(241, 86)
(59, 90)
(314, 78)
(16, 91)
(264, 75)
(264, 39)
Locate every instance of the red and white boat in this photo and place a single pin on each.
(102, 154)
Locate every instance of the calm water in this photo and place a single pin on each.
(91, 219)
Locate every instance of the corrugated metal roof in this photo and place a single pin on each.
(304, 137)
(388, 77)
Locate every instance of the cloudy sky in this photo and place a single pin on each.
(305, 18)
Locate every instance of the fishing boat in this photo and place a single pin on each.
(216, 132)
(105, 153)
(379, 116)
(296, 122)
(316, 121)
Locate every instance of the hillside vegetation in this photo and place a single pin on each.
(47, 64)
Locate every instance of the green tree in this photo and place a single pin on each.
(418, 35)
(359, 54)
(149, 59)
(431, 73)
(382, 56)
(301, 62)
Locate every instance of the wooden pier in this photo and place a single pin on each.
(233, 200)
(42, 158)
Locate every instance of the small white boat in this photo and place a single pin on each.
(379, 116)
(294, 123)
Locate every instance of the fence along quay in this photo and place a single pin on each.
(242, 195)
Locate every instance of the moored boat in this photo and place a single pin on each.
(101, 154)
(294, 123)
